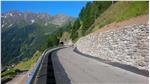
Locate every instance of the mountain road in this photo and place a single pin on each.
(73, 68)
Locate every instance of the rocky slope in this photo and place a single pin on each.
(127, 45)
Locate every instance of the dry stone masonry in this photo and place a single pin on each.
(127, 45)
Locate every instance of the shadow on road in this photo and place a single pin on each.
(61, 76)
(116, 64)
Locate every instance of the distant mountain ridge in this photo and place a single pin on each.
(11, 18)
(23, 33)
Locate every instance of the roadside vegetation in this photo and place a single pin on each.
(28, 63)
(96, 15)
(87, 16)
(120, 11)
(8, 74)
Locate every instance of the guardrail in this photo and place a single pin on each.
(35, 69)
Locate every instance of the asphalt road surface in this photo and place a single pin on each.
(73, 68)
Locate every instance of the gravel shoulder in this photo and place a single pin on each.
(19, 79)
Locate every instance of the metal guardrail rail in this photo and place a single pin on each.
(35, 69)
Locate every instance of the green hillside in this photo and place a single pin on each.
(120, 11)
(24, 47)
(21, 42)
(98, 14)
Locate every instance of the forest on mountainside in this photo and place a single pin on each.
(97, 14)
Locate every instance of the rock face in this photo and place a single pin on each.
(128, 45)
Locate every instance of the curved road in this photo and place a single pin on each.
(73, 68)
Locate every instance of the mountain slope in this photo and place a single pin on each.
(23, 33)
(120, 11)
(119, 35)
(96, 15)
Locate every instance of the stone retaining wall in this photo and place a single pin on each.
(128, 45)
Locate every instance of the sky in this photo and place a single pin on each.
(71, 8)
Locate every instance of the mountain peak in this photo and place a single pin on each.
(60, 14)
(16, 17)
(60, 19)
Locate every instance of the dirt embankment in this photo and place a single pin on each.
(136, 20)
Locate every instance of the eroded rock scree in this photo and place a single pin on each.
(127, 45)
